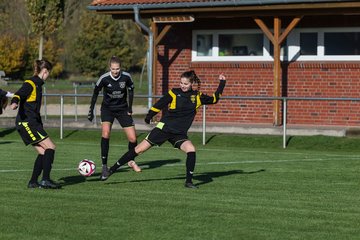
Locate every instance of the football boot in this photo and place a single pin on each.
(190, 185)
(49, 184)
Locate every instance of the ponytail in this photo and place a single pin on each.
(191, 75)
(41, 64)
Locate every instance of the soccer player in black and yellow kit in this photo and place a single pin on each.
(30, 127)
(117, 85)
(182, 104)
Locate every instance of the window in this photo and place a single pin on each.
(324, 44)
(204, 45)
(241, 44)
(308, 43)
(302, 44)
(342, 43)
(230, 45)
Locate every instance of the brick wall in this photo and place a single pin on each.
(300, 79)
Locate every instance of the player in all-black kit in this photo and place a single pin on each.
(116, 85)
(4, 99)
(30, 127)
(182, 104)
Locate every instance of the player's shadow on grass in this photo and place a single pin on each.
(7, 132)
(144, 166)
(203, 178)
(208, 177)
(71, 180)
(71, 133)
(210, 138)
(157, 163)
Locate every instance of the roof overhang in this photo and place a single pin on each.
(229, 8)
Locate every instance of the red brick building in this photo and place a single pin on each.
(293, 48)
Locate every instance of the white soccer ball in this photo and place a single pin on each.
(86, 167)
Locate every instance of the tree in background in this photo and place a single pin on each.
(52, 52)
(12, 53)
(47, 17)
(77, 41)
(99, 38)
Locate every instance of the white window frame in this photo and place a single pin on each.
(293, 44)
(215, 49)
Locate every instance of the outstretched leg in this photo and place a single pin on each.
(131, 136)
(129, 155)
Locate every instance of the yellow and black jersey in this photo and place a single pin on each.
(28, 97)
(181, 108)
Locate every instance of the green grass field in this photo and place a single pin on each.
(249, 188)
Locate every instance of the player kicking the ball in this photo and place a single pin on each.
(182, 104)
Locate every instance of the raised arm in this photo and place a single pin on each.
(205, 99)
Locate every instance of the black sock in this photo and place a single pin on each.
(48, 159)
(130, 155)
(132, 145)
(190, 166)
(38, 166)
(104, 150)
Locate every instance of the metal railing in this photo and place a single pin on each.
(284, 100)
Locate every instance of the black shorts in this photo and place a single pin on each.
(157, 137)
(123, 117)
(31, 133)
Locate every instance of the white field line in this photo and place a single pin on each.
(202, 164)
(219, 150)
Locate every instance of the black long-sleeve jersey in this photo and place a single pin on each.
(182, 107)
(29, 97)
(2, 93)
(3, 100)
(115, 92)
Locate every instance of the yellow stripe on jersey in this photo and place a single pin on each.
(214, 101)
(154, 109)
(173, 102)
(32, 97)
(198, 101)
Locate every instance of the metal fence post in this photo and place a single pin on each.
(95, 123)
(45, 107)
(61, 116)
(75, 101)
(284, 122)
(204, 125)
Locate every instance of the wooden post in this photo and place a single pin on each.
(157, 38)
(276, 39)
(277, 72)
(154, 29)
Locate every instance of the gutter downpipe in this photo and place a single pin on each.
(149, 53)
